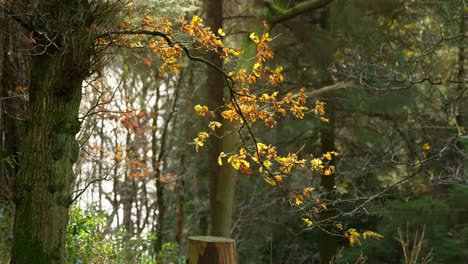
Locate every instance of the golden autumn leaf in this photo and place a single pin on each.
(201, 110)
(254, 38)
(299, 200)
(308, 222)
(315, 163)
(426, 146)
(306, 192)
(214, 124)
(200, 140)
(220, 158)
(269, 181)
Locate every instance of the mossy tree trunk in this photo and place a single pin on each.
(60, 62)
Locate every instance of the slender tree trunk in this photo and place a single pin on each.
(461, 76)
(157, 174)
(100, 164)
(180, 202)
(116, 185)
(222, 178)
(127, 194)
(328, 243)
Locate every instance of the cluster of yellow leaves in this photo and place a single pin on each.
(354, 236)
(237, 161)
(248, 106)
(320, 164)
(201, 110)
(214, 124)
(200, 140)
(274, 167)
(319, 110)
(270, 108)
(170, 53)
(245, 107)
(203, 35)
(264, 52)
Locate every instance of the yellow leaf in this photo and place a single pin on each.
(371, 234)
(306, 191)
(261, 146)
(130, 4)
(278, 179)
(329, 171)
(267, 164)
(197, 21)
(279, 70)
(254, 38)
(201, 110)
(299, 200)
(235, 52)
(315, 163)
(426, 146)
(200, 140)
(256, 69)
(220, 158)
(213, 125)
(221, 33)
(308, 222)
(325, 120)
(270, 181)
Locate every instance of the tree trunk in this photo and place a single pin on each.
(328, 243)
(12, 75)
(180, 203)
(49, 149)
(213, 250)
(222, 178)
(155, 160)
(127, 191)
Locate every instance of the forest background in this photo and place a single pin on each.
(388, 154)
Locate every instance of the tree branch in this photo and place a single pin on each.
(281, 14)
(169, 41)
(330, 88)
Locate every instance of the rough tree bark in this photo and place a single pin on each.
(12, 105)
(60, 63)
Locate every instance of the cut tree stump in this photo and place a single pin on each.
(211, 250)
